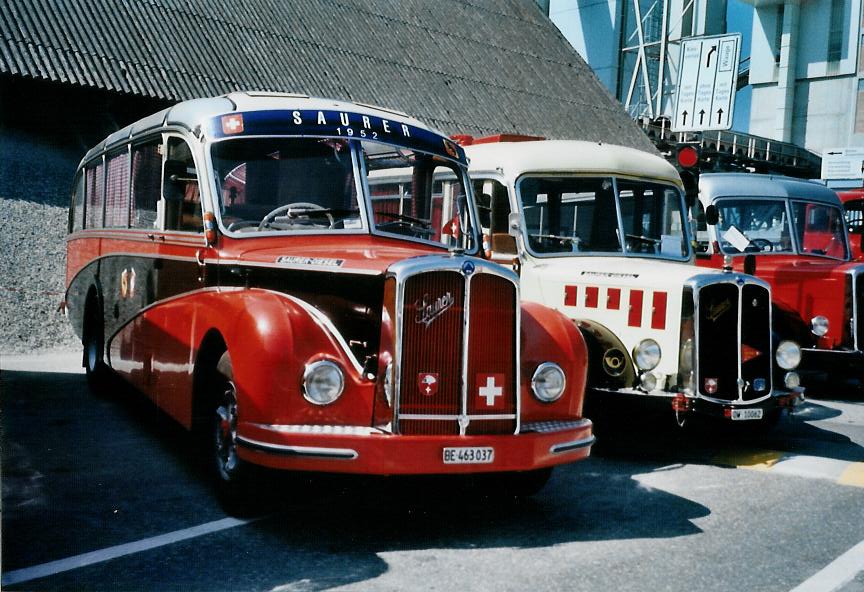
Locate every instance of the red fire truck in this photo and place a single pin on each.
(792, 234)
(244, 262)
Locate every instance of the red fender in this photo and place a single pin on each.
(270, 338)
(549, 336)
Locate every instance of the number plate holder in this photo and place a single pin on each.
(468, 455)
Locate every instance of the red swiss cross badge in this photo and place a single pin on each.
(427, 382)
(490, 391)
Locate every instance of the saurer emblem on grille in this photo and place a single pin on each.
(715, 311)
(428, 310)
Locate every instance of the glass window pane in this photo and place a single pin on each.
(94, 189)
(146, 184)
(117, 191)
(819, 229)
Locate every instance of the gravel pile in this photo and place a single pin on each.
(32, 278)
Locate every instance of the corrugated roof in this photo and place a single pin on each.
(479, 67)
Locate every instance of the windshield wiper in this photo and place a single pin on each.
(405, 218)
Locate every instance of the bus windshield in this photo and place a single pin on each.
(603, 215)
(286, 185)
(767, 226)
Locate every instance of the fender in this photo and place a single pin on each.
(549, 336)
(270, 338)
(788, 324)
(605, 350)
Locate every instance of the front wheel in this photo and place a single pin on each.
(234, 476)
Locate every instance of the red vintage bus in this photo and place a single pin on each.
(793, 234)
(244, 262)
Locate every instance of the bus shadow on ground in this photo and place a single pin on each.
(99, 453)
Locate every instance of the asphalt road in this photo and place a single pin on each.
(106, 494)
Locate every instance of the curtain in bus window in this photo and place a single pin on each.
(95, 190)
(146, 184)
(117, 191)
(78, 205)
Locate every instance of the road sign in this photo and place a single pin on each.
(705, 97)
(843, 163)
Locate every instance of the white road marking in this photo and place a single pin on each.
(54, 567)
(836, 574)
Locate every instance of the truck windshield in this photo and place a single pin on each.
(418, 195)
(764, 226)
(286, 185)
(580, 215)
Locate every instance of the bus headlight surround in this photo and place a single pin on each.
(647, 354)
(323, 382)
(788, 355)
(548, 382)
(819, 326)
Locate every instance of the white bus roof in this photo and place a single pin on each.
(567, 156)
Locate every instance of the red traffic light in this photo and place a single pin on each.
(688, 157)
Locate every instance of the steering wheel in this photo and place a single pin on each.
(302, 205)
(763, 244)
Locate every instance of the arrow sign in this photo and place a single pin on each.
(707, 73)
(708, 59)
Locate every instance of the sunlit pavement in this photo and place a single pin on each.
(105, 493)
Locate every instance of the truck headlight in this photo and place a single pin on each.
(819, 326)
(548, 382)
(647, 354)
(788, 355)
(323, 382)
(388, 383)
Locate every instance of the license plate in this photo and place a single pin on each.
(744, 414)
(469, 455)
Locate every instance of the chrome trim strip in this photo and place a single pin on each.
(857, 340)
(464, 420)
(555, 426)
(329, 430)
(327, 324)
(301, 451)
(274, 265)
(425, 416)
(574, 445)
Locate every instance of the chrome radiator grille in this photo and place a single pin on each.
(454, 325)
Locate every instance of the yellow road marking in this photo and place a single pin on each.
(761, 460)
(853, 475)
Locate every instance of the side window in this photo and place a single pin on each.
(76, 221)
(117, 190)
(94, 189)
(146, 180)
(180, 189)
(497, 216)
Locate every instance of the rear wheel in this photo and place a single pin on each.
(93, 341)
(235, 478)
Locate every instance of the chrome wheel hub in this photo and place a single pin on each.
(226, 433)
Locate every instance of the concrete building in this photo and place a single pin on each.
(806, 72)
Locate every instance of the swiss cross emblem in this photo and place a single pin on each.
(232, 124)
(427, 382)
(490, 391)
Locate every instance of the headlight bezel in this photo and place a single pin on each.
(787, 348)
(643, 351)
(540, 377)
(315, 370)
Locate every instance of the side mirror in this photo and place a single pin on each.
(513, 224)
(712, 216)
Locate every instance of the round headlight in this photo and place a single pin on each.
(323, 382)
(819, 325)
(548, 382)
(788, 355)
(647, 354)
(792, 380)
